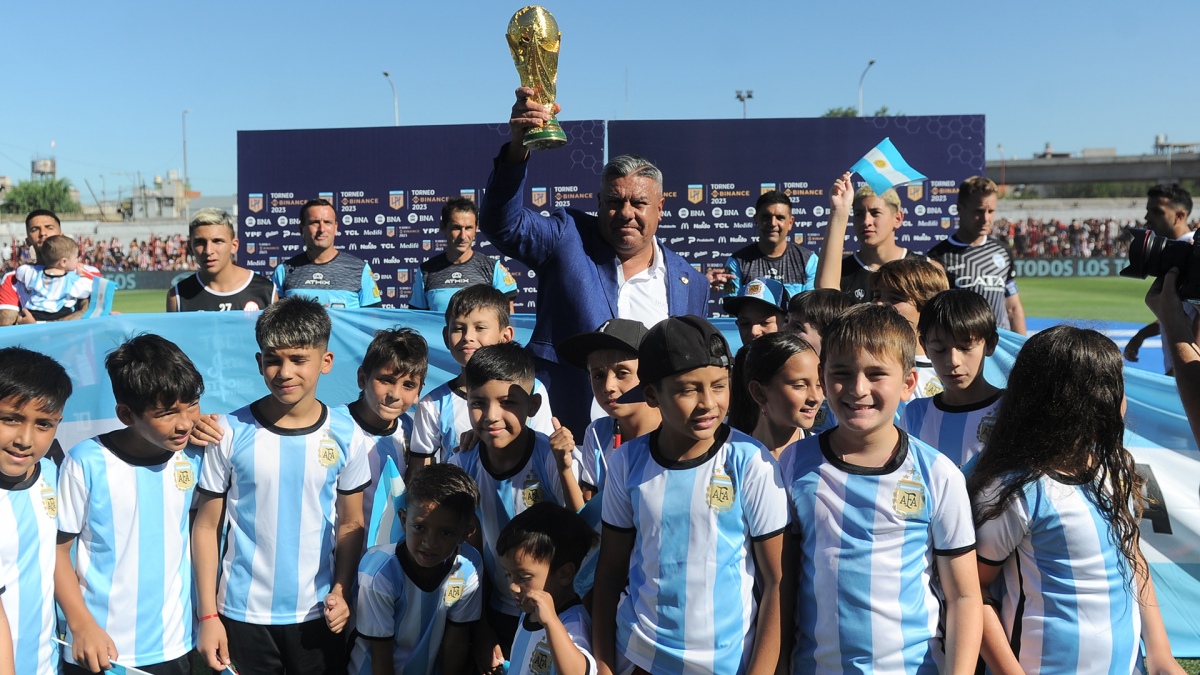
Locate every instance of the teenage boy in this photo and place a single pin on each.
(440, 277)
(476, 317)
(219, 285)
(906, 286)
(958, 331)
(874, 514)
(876, 219)
(693, 516)
(33, 390)
(514, 465)
(759, 307)
(974, 259)
(541, 549)
(390, 379)
(418, 599)
(289, 483)
(125, 503)
(610, 357)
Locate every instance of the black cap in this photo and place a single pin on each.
(678, 344)
(623, 334)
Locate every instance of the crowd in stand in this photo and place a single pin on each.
(114, 255)
(1093, 237)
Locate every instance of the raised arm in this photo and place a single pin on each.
(829, 261)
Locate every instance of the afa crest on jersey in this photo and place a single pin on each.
(327, 451)
(720, 492)
(49, 500)
(531, 492)
(908, 499)
(455, 588)
(185, 476)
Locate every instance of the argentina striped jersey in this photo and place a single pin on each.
(531, 650)
(958, 432)
(28, 511)
(280, 488)
(133, 555)
(690, 605)
(868, 537)
(392, 607)
(502, 496)
(1067, 608)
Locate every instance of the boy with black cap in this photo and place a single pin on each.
(610, 356)
(688, 508)
(760, 307)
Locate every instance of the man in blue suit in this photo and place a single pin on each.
(589, 268)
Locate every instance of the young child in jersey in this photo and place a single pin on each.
(958, 330)
(418, 599)
(33, 390)
(50, 290)
(906, 285)
(1057, 505)
(289, 482)
(693, 515)
(541, 549)
(808, 315)
(125, 497)
(759, 307)
(390, 379)
(514, 465)
(781, 378)
(811, 311)
(477, 316)
(609, 355)
(874, 514)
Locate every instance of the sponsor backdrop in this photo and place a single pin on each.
(714, 171)
(222, 346)
(388, 185)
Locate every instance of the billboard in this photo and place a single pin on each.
(388, 185)
(715, 170)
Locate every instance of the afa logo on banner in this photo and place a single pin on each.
(221, 344)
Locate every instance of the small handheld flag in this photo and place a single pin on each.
(884, 168)
(117, 669)
(385, 526)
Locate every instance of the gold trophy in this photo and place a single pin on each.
(534, 39)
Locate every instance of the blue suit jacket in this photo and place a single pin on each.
(576, 269)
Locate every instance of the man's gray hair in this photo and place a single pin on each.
(211, 216)
(631, 165)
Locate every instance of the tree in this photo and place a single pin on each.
(850, 111)
(53, 194)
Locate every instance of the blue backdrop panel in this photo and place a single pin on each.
(388, 185)
(714, 171)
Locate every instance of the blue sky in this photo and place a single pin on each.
(108, 82)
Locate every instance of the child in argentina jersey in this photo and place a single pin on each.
(690, 605)
(28, 510)
(441, 418)
(392, 606)
(378, 446)
(530, 650)
(1067, 605)
(501, 496)
(280, 486)
(867, 538)
(131, 517)
(957, 431)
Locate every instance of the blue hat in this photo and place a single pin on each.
(767, 291)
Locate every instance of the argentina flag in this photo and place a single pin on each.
(884, 168)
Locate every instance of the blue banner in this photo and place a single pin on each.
(222, 346)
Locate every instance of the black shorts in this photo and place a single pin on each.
(308, 648)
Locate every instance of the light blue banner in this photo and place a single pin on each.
(222, 346)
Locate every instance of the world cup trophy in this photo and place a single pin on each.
(534, 40)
